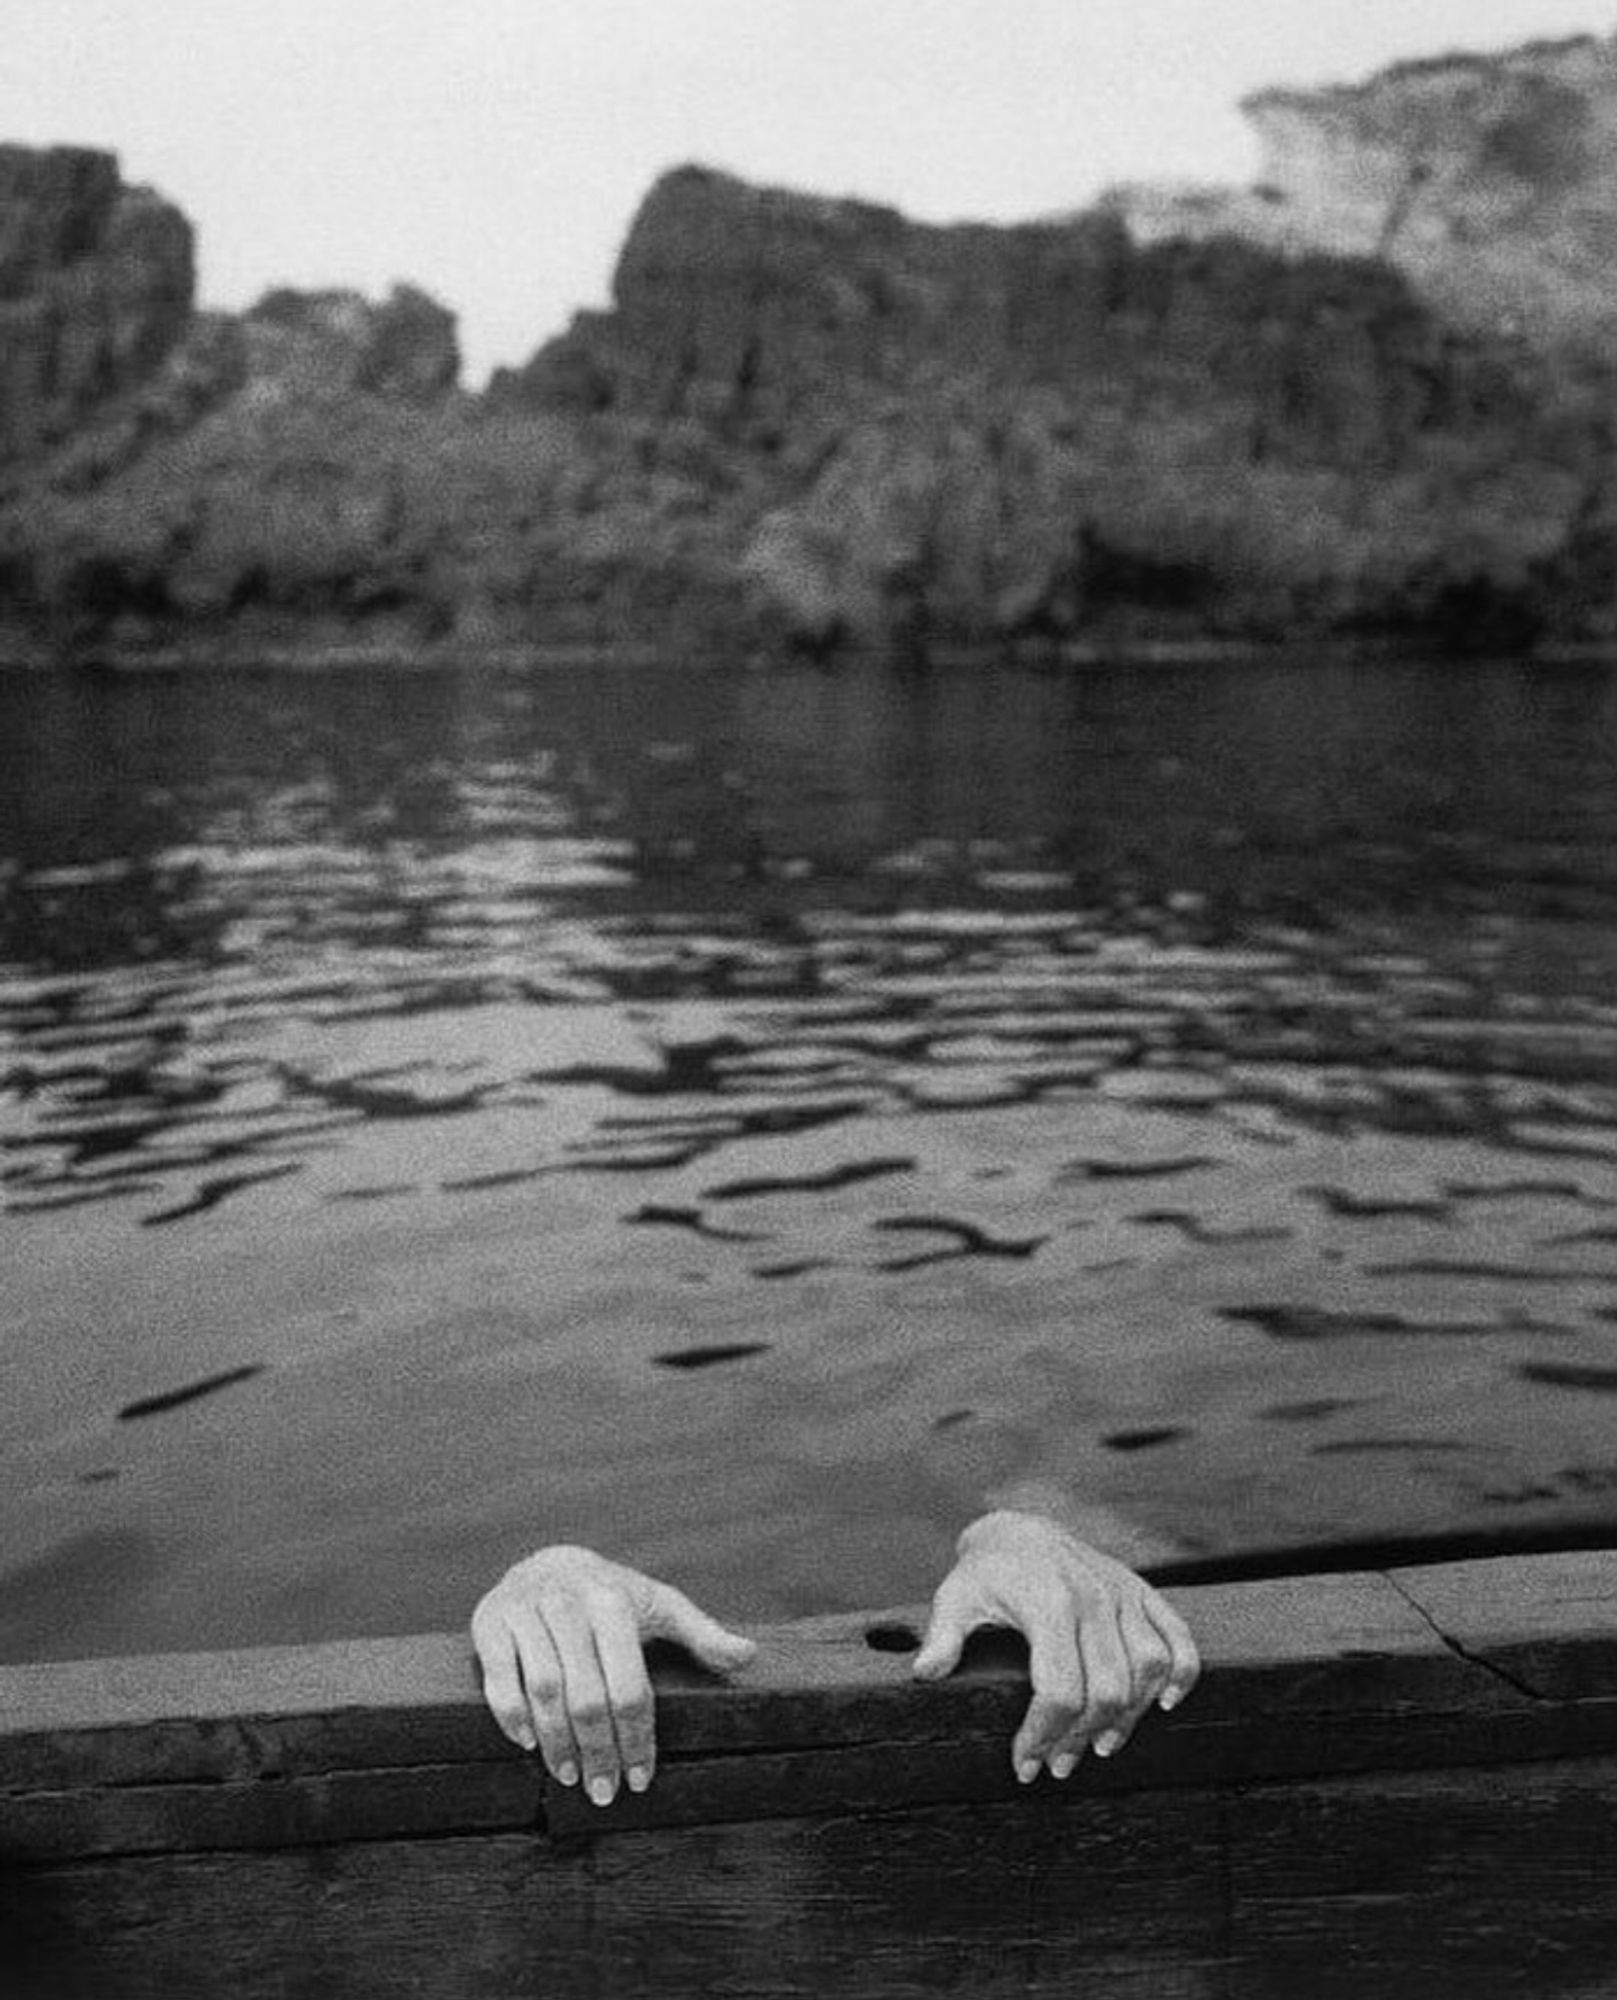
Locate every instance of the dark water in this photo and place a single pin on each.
(441, 1029)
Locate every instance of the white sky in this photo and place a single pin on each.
(494, 151)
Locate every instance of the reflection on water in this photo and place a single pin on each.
(782, 982)
(245, 923)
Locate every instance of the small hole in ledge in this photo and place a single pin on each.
(892, 1639)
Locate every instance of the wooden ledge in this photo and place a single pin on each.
(1506, 1661)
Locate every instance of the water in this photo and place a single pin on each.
(744, 1119)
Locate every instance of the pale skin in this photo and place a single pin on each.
(560, 1641)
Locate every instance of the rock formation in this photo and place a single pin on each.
(978, 434)
(315, 343)
(1489, 181)
(1369, 397)
(95, 290)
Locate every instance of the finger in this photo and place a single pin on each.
(1149, 1662)
(502, 1679)
(1185, 1664)
(544, 1695)
(1058, 1706)
(947, 1631)
(1067, 1751)
(1107, 1681)
(628, 1688)
(588, 1709)
(672, 1615)
(1065, 1756)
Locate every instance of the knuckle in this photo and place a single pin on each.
(590, 1716)
(1175, 1630)
(545, 1689)
(1108, 1697)
(1184, 1665)
(633, 1711)
(491, 1625)
(603, 1598)
(1060, 1708)
(502, 1696)
(498, 1670)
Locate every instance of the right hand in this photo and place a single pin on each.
(1103, 1644)
(559, 1639)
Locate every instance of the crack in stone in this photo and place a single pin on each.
(1462, 1651)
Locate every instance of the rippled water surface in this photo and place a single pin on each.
(741, 1119)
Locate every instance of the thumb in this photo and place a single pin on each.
(676, 1617)
(941, 1648)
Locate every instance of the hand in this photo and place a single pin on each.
(1103, 1645)
(559, 1641)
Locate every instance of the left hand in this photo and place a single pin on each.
(560, 1641)
(1103, 1644)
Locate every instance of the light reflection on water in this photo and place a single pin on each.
(280, 953)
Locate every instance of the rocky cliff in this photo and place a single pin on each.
(1369, 397)
(95, 291)
(1490, 182)
(977, 433)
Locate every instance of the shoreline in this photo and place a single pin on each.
(540, 658)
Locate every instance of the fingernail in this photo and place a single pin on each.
(524, 1737)
(602, 1791)
(1108, 1743)
(1064, 1765)
(639, 1778)
(567, 1774)
(1170, 1700)
(1027, 1771)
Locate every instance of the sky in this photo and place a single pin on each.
(494, 151)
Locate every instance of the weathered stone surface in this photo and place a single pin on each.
(95, 290)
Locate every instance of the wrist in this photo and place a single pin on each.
(1005, 1524)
